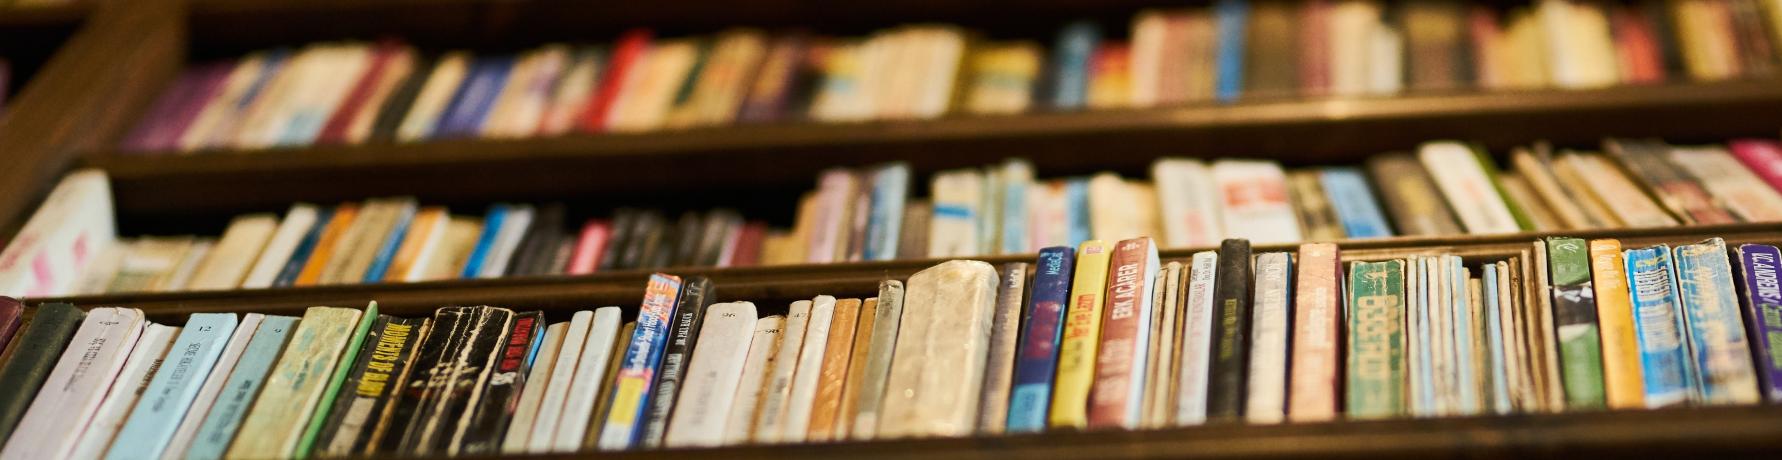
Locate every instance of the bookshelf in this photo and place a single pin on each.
(105, 62)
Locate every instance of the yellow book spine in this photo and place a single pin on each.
(324, 249)
(1082, 329)
(1623, 382)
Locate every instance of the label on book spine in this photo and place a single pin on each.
(1037, 358)
(1376, 377)
(1574, 312)
(1664, 358)
(642, 359)
(1716, 333)
(1763, 313)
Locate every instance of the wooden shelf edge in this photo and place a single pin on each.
(66, 14)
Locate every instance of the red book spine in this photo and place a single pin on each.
(334, 132)
(747, 250)
(1763, 157)
(1314, 48)
(1111, 395)
(590, 247)
(1484, 30)
(625, 53)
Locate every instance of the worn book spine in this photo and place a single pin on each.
(1718, 345)
(343, 367)
(1376, 374)
(1160, 372)
(1763, 314)
(886, 323)
(427, 377)
(856, 372)
(795, 422)
(1036, 359)
(764, 345)
(465, 389)
(1664, 354)
(139, 369)
(1081, 336)
(1117, 395)
(213, 385)
(776, 393)
(1624, 387)
(152, 424)
(713, 378)
(689, 316)
(1197, 346)
(538, 379)
(1317, 322)
(243, 383)
(1269, 338)
(340, 405)
(1574, 310)
(641, 362)
(837, 350)
(592, 377)
(1000, 367)
(1231, 335)
(74, 391)
(937, 369)
(293, 387)
(31, 360)
(362, 410)
(501, 393)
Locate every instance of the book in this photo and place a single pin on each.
(1270, 335)
(764, 345)
(1117, 395)
(1232, 17)
(856, 372)
(491, 413)
(1675, 190)
(551, 405)
(10, 311)
(953, 304)
(1069, 78)
(641, 361)
(1730, 182)
(1196, 344)
(1316, 320)
(291, 267)
(46, 256)
(1624, 386)
(1457, 171)
(387, 355)
(322, 253)
(1763, 300)
(1664, 357)
(145, 358)
(337, 378)
(1254, 201)
(999, 367)
(275, 424)
(801, 395)
(696, 293)
(75, 389)
(1318, 220)
(1574, 310)
(1188, 201)
(426, 379)
(1080, 337)
(229, 261)
(221, 422)
(462, 386)
(1615, 190)
(1355, 205)
(1376, 360)
(770, 421)
(526, 410)
(1160, 370)
(1036, 358)
(152, 424)
(420, 244)
(213, 385)
(869, 401)
(1410, 196)
(953, 227)
(1764, 157)
(714, 373)
(832, 375)
(1231, 336)
(31, 358)
(1717, 341)
(589, 382)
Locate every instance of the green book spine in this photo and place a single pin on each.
(1376, 367)
(36, 352)
(344, 366)
(1516, 210)
(1574, 313)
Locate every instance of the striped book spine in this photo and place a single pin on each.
(642, 359)
(1037, 358)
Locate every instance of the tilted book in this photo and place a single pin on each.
(856, 372)
(713, 375)
(689, 316)
(501, 391)
(937, 369)
(73, 392)
(837, 349)
(383, 363)
(641, 362)
(764, 346)
(1574, 311)
(887, 320)
(152, 424)
(293, 387)
(426, 378)
(145, 359)
(1117, 396)
(590, 369)
(213, 385)
(1081, 336)
(1658, 319)
(776, 393)
(1004, 331)
(1717, 341)
(801, 396)
(518, 437)
(342, 367)
(1197, 340)
(1036, 359)
(245, 380)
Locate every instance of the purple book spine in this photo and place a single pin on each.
(1763, 314)
(205, 86)
(155, 121)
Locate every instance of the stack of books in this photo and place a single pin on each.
(355, 92)
(1104, 336)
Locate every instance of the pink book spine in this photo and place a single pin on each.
(589, 247)
(1764, 157)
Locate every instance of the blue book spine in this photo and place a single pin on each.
(484, 242)
(642, 359)
(387, 251)
(1424, 391)
(1070, 74)
(1036, 360)
(890, 189)
(1716, 332)
(1463, 336)
(1664, 361)
(464, 117)
(1014, 216)
(1763, 312)
(305, 247)
(224, 417)
(1077, 191)
(1354, 204)
(170, 392)
(1494, 340)
(1232, 16)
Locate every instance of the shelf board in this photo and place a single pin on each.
(750, 157)
(56, 15)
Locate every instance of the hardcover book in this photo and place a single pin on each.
(1231, 333)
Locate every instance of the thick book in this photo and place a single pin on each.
(642, 361)
(425, 377)
(1036, 358)
(1375, 377)
(501, 391)
(590, 379)
(1117, 396)
(49, 253)
(1717, 341)
(1317, 316)
(1231, 335)
(713, 376)
(1081, 336)
(388, 351)
(1623, 386)
(1197, 340)
(152, 424)
(74, 390)
(937, 369)
(1763, 313)
(145, 358)
(1574, 312)
(1004, 331)
(466, 384)
(1270, 335)
(696, 293)
(1665, 364)
(213, 385)
(887, 320)
(293, 387)
(244, 381)
(29, 362)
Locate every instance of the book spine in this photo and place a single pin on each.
(145, 359)
(696, 292)
(224, 417)
(1070, 72)
(1317, 317)
(1718, 344)
(275, 424)
(426, 379)
(332, 429)
(293, 266)
(485, 243)
(1355, 205)
(1197, 345)
(1574, 311)
(1117, 397)
(890, 189)
(466, 387)
(1232, 17)
(1269, 336)
(349, 354)
(1763, 157)
(1030, 394)
(593, 368)
(1005, 332)
(31, 359)
(701, 415)
(386, 365)
(389, 243)
(152, 424)
(739, 426)
(938, 367)
(1376, 375)
(501, 394)
(76, 388)
(1082, 330)
(1231, 335)
(1624, 386)
(1763, 314)
(1664, 356)
(886, 322)
(641, 362)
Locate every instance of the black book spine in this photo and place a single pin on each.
(623, 220)
(686, 242)
(389, 117)
(540, 241)
(414, 402)
(393, 357)
(338, 426)
(689, 314)
(501, 394)
(1231, 333)
(646, 232)
(38, 348)
(465, 389)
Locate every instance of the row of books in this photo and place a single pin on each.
(1103, 336)
(354, 92)
(872, 214)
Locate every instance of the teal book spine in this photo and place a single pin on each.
(342, 367)
(244, 382)
(157, 415)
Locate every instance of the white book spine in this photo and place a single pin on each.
(538, 382)
(578, 408)
(234, 253)
(278, 249)
(139, 368)
(1197, 345)
(1187, 202)
(1268, 340)
(48, 256)
(75, 388)
(1255, 204)
(550, 409)
(803, 394)
(772, 414)
(763, 347)
(1470, 193)
(713, 376)
(953, 231)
